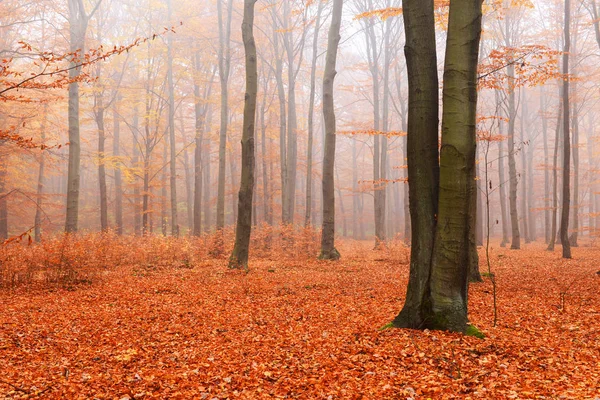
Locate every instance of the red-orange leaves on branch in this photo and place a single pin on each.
(383, 13)
(46, 72)
(372, 132)
(534, 65)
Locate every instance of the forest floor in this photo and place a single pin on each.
(291, 328)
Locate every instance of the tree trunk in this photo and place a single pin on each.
(502, 181)
(137, 206)
(239, 257)
(566, 185)
(328, 250)
(285, 219)
(422, 155)
(172, 144)
(99, 116)
(543, 110)
(78, 21)
(311, 112)
(575, 149)
(163, 193)
(523, 175)
(512, 167)
(559, 118)
(118, 177)
(224, 67)
(40, 183)
(449, 285)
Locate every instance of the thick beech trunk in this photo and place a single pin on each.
(422, 155)
(239, 257)
(328, 250)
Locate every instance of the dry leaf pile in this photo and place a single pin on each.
(300, 328)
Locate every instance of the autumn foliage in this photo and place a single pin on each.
(100, 316)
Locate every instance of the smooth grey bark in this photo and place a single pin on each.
(117, 169)
(99, 110)
(41, 180)
(201, 108)
(328, 250)
(512, 167)
(78, 22)
(239, 256)
(311, 112)
(172, 143)
(224, 69)
(285, 219)
(137, 206)
(449, 275)
(267, 200)
(566, 184)
(575, 151)
(523, 198)
(543, 110)
(355, 199)
(379, 186)
(163, 192)
(3, 200)
(206, 168)
(189, 176)
(422, 155)
(557, 135)
(502, 180)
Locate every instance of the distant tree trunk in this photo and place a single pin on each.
(292, 126)
(40, 183)
(479, 219)
(233, 177)
(566, 193)
(543, 110)
(118, 177)
(267, 206)
(523, 176)
(78, 22)
(172, 144)
(531, 192)
(341, 203)
(99, 116)
(189, 178)
(512, 168)
(3, 201)
(379, 186)
(555, 171)
(311, 112)
(355, 198)
(575, 148)
(328, 250)
(285, 219)
(502, 183)
(591, 151)
(224, 67)
(137, 206)
(206, 188)
(475, 225)
(200, 124)
(163, 193)
(239, 257)
(422, 154)
(383, 167)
